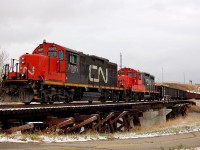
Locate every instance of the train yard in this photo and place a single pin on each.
(81, 117)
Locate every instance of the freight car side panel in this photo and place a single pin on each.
(170, 91)
(174, 93)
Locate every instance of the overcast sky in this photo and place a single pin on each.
(152, 35)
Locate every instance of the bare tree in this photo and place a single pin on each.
(3, 58)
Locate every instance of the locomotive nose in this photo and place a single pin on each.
(32, 66)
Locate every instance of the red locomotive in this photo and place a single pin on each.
(130, 79)
(138, 85)
(53, 73)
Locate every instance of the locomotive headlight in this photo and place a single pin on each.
(23, 60)
(23, 76)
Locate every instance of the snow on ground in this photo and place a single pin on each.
(19, 138)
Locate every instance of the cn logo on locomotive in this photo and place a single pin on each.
(29, 71)
(99, 71)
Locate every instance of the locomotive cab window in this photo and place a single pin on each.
(60, 55)
(73, 59)
(140, 76)
(121, 72)
(41, 50)
(134, 74)
(130, 73)
(53, 54)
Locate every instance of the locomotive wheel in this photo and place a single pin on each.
(51, 101)
(44, 99)
(115, 98)
(102, 100)
(26, 95)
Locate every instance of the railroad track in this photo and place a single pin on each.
(73, 117)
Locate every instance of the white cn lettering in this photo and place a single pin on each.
(30, 72)
(100, 71)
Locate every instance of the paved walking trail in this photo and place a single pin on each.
(152, 143)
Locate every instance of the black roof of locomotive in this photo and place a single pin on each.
(94, 56)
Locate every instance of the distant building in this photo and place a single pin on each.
(190, 81)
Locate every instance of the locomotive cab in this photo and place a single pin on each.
(130, 79)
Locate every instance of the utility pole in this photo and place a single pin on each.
(162, 74)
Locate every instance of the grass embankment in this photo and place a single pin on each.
(181, 86)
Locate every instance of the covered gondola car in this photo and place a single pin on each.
(193, 95)
(168, 93)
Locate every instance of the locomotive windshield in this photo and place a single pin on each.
(121, 72)
(130, 73)
(61, 55)
(134, 74)
(41, 51)
(53, 54)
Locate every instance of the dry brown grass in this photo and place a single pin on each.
(181, 86)
(175, 125)
(195, 108)
(192, 118)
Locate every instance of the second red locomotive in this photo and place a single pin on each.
(137, 85)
